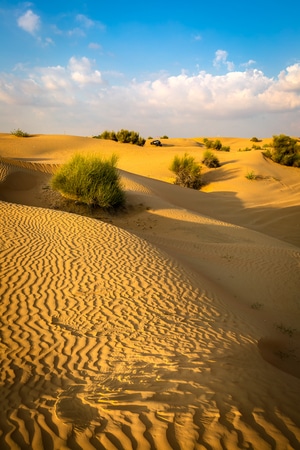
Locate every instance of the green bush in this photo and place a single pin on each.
(164, 137)
(210, 160)
(19, 133)
(254, 139)
(216, 145)
(208, 143)
(107, 135)
(187, 171)
(123, 136)
(90, 180)
(251, 175)
(285, 150)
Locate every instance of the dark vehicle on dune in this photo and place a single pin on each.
(157, 143)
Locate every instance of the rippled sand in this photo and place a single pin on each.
(171, 325)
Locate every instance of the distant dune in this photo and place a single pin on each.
(172, 324)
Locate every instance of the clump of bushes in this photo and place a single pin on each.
(162, 137)
(187, 171)
(216, 145)
(19, 133)
(124, 136)
(246, 149)
(254, 139)
(284, 150)
(90, 180)
(210, 159)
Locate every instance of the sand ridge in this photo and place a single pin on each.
(161, 327)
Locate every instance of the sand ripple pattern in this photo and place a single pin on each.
(116, 347)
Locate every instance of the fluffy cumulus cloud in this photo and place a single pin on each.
(79, 98)
(29, 22)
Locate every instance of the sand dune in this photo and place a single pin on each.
(171, 325)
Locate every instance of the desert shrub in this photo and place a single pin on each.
(208, 143)
(164, 137)
(254, 139)
(107, 135)
(210, 159)
(187, 171)
(251, 175)
(90, 180)
(256, 147)
(284, 150)
(19, 133)
(216, 145)
(268, 153)
(123, 136)
(246, 149)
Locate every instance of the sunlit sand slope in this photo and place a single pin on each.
(174, 326)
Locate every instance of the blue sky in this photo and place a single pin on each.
(205, 68)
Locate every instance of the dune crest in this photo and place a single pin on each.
(171, 327)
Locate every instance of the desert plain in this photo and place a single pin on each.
(171, 324)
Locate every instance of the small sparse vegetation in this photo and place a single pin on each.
(210, 159)
(286, 330)
(90, 180)
(257, 306)
(251, 175)
(254, 139)
(283, 355)
(187, 171)
(164, 137)
(124, 136)
(225, 148)
(246, 149)
(19, 133)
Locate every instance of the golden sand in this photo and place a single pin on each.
(171, 325)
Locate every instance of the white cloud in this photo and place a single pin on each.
(221, 59)
(289, 79)
(76, 32)
(197, 37)
(94, 46)
(249, 63)
(29, 22)
(76, 97)
(81, 71)
(84, 21)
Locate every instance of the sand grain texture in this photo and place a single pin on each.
(171, 325)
